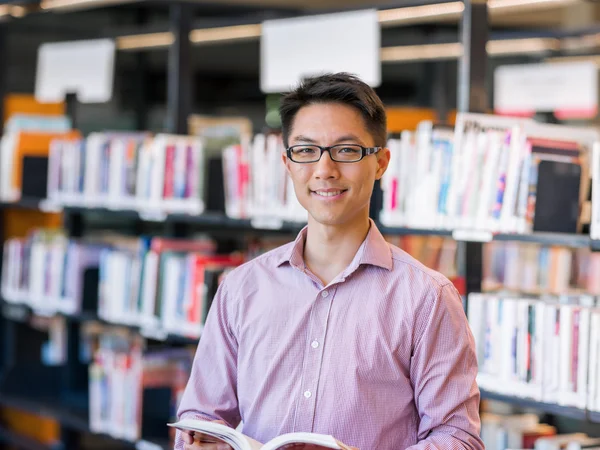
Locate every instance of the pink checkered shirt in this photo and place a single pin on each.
(381, 358)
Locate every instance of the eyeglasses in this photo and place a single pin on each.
(344, 153)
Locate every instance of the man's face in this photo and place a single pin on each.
(334, 193)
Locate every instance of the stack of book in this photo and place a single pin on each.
(164, 286)
(515, 431)
(540, 269)
(46, 270)
(122, 374)
(257, 186)
(545, 349)
(150, 174)
(489, 173)
(24, 150)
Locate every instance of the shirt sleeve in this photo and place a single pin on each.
(443, 372)
(211, 391)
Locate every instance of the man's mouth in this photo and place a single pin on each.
(329, 192)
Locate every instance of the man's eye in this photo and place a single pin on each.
(349, 150)
(305, 150)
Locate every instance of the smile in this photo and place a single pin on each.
(329, 193)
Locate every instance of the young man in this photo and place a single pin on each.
(338, 332)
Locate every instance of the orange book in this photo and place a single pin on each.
(41, 429)
(27, 104)
(408, 118)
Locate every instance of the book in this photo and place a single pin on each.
(542, 348)
(490, 173)
(239, 441)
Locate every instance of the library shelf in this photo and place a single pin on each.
(563, 239)
(402, 231)
(594, 416)
(548, 408)
(50, 407)
(220, 221)
(24, 203)
(69, 418)
(22, 442)
(22, 313)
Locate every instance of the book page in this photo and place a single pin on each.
(302, 441)
(219, 432)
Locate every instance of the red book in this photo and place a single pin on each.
(169, 172)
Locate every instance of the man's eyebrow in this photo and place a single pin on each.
(301, 138)
(345, 138)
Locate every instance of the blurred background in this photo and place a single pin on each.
(140, 163)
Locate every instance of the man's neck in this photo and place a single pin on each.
(328, 250)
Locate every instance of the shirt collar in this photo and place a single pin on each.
(373, 251)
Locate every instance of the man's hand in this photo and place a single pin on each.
(200, 441)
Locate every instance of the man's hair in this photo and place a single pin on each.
(340, 88)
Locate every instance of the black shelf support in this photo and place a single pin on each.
(179, 79)
(473, 97)
(472, 65)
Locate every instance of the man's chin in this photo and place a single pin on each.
(329, 220)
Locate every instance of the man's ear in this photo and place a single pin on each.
(286, 161)
(383, 161)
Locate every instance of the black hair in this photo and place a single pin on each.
(341, 88)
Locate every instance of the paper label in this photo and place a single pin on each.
(472, 235)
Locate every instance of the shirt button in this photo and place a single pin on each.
(307, 394)
(314, 344)
(324, 294)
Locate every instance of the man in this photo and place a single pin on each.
(338, 332)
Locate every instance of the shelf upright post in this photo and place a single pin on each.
(179, 78)
(7, 327)
(473, 97)
(74, 376)
(180, 81)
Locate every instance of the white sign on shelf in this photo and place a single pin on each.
(569, 89)
(472, 235)
(85, 68)
(295, 48)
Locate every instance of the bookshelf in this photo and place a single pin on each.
(548, 408)
(21, 442)
(594, 416)
(216, 220)
(74, 420)
(69, 418)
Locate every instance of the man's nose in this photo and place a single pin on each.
(326, 167)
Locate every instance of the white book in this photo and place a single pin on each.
(91, 178)
(488, 180)
(583, 358)
(239, 441)
(116, 171)
(157, 184)
(170, 290)
(148, 318)
(408, 155)
(538, 348)
(512, 180)
(593, 361)
(566, 354)
(595, 223)
(144, 169)
(390, 177)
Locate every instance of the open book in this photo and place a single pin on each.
(238, 441)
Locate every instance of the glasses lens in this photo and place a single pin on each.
(346, 152)
(305, 153)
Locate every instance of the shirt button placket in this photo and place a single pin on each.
(314, 358)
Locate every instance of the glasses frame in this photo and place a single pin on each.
(366, 151)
